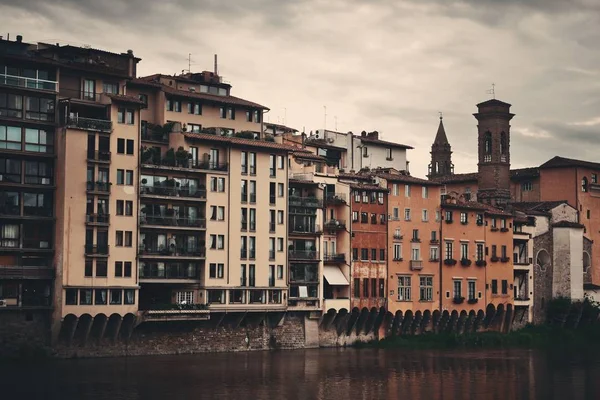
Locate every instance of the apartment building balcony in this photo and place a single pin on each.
(339, 258)
(298, 201)
(245, 299)
(185, 164)
(334, 199)
(28, 83)
(89, 124)
(19, 272)
(96, 250)
(335, 225)
(102, 157)
(398, 236)
(187, 192)
(97, 219)
(102, 188)
(26, 245)
(161, 251)
(172, 222)
(168, 272)
(522, 261)
(310, 255)
(416, 265)
(299, 229)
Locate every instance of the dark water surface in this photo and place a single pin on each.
(313, 374)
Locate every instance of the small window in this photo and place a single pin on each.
(120, 146)
(130, 145)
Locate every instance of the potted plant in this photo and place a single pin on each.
(450, 261)
(458, 300)
(472, 301)
(481, 263)
(170, 158)
(465, 262)
(494, 259)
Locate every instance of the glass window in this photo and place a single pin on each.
(11, 105)
(10, 137)
(100, 297)
(404, 288)
(39, 109)
(39, 140)
(11, 170)
(426, 288)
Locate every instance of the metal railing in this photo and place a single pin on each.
(23, 272)
(193, 164)
(30, 83)
(335, 198)
(172, 221)
(172, 251)
(299, 228)
(416, 265)
(185, 191)
(170, 271)
(89, 124)
(98, 186)
(303, 254)
(335, 258)
(96, 249)
(97, 219)
(101, 156)
(297, 201)
(335, 224)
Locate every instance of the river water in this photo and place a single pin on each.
(313, 374)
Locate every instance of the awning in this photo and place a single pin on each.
(334, 276)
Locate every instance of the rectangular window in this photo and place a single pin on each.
(357, 196)
(194, 108)
(364, 218)
(129, 117)
(89, 268)
(433, 254)
(119, 238)
(36, 108)
(272, 196)
(244, 162)
(374, 218)
(100, 296)
(415, 235)
(457, 286)
(381, 254)
(479, 251)
(404, 288)
(38, 140)
(365, 197)
(85, 297)
(220, 242)
(116, 296)
(110, 87)
(471, 290)
(354, 254)
(129, 208)
(280, 190)
(252, 219)
(503, 252)
(526, 186)
(449, 251)
(129, 177)
(356, 288)
(130, 145)
(425, 216)
(119, 269)
(426, 288)
(272, 166)
(434, 236)
(463, 218)
(101, 269)
(504, 286)
(395, 189)
(120, 146)
(11, 105)
(494, 286)
(594, 178)
(252, 163)
(380, 198)
(425, 192)
(120, 207)
(120, 176)
(127, 271)
(280, 217)
(365, 287)
(448, 216)
(121, 115)
(129, 296)
(354, 216)
(128, 239)
(407, 214)
(464, 251)
(396, 214)
(397, 251)
(280, 272)
(373, 254)
(494, 251)
(406, 190)
(364, 254)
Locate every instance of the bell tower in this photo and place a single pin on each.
(493, 127)
(441, 155)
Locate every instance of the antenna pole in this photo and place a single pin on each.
(325, 124)
(335, 118)
(189, 63)
(494, 90)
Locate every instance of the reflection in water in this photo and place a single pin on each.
(313, 374)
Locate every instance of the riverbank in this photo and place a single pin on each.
(530, 337)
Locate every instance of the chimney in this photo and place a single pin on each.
(19, 39)
(363, 134)
(373, 135)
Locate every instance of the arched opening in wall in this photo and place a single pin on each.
(584, 184)
(543, 260)
(503, 144)
(587, 262)
(487, 142)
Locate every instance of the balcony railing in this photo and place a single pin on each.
(30, 83)
(172, 221)
(335, 198)
(89, 124)
(98, 219)
(193, 164)
(313, 202)
(335, 224)
(334, 258)
(96, 249)
(170, 271)
(398, 236)
(25, 272)
(155, 136)
(314, 229)
(522, 260)
(185, 191)
(98, 156)
(303, 254)
(172, 251)
(103, 187)
(416, 265)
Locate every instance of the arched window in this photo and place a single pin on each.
(503, 144)
(437, 167)
(584, 184)
(543, 260)
(487, 142)
(587, 263)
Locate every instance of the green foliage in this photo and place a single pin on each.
(244, 134)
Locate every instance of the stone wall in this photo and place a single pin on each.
(542, 277)
(23, 332)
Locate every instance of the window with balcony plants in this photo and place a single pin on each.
(448, 217)
(479, 219)
(449, 254)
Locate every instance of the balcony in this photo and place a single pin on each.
(89, 124)
(450, 262)
(100, 250)
(335, 225)
(29, 83)
(173, 191)
(271, 255)
(153, 162)
(522, 260)
(11, 245)
(97, 219)
(458, 300)
(171, 251)
(25, 272)
(172, 221)
(310, 229)
(312, 202)
(416, 265)
(99, 156)
(398, 236)
(335, 199)
(465, 262)
(169, 271)
(303, 255)
(98, 187)
(334, 258)
(481, 263)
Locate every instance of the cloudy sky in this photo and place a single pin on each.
(386, 65)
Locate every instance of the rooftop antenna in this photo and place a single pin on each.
(335, 118)
(284, 115)
(441, 115)
(492, 91)
(325, 123)
(189, 63)
(216, 69)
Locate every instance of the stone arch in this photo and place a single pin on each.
(82, 331)
(398, 317)
(426, 323)
(341, 321)
(435, 320)
(587, 262)
(127, 325)
(543, 260)
(584, 184)
(452, 322)
(414, 329)
(98, 326)
(487, 142)
(379, 319)
(362, 319)
(462, 320)
(503, 143)
(352, 321)
(479, 320)
(370, 322)
(67, 328)
(406, 324)
(444, 321)
(113, 326)
(470, 321)
(490, 313)
(508, 319)
(328, 319)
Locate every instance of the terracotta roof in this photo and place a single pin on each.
(540, 206)
(282, 127)
(362, 186)
(561, 162)
(308, 155)
(151, 81)
(567, 224)
(366, 139)
(302, 181)
(239, 141)
(473, 205)
(456, 178)
(405, 179)
(125, 98)
(524, 173)
(348, 175)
